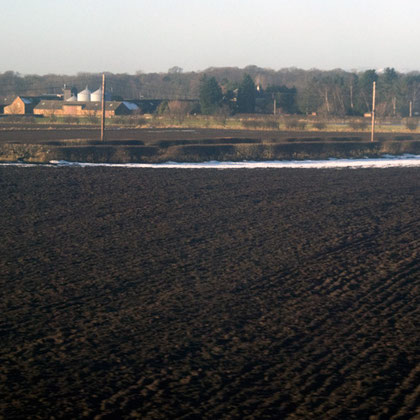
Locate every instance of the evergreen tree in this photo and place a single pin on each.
(246, 95)
(210, 95)
(365, 89)
(388, 92)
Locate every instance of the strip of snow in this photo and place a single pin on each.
(387, 161)
(25, 165)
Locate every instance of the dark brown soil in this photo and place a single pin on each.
(195, 145)
(209, 294)
(174, 136)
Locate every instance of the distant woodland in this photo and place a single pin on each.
(247, 90)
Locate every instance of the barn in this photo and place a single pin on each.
(81, 109)
(21, 105)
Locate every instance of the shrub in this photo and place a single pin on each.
(294, 123)
(358, 125)
(271, 124)
(162, 108)
(319, 125)
(249, 123)
(138, 121)
(288, 123)
(25, 119)
(178, 110)
(222, 115)
(29, 119)
(118, 120)
(70, 119)
(411, 124)
(92, 119)
(264, 123)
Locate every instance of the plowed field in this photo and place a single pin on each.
(209, 294)
(166, 137)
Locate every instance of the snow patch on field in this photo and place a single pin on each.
(387, 161)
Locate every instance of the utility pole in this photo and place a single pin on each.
(373, 111)
(275, 106)
(411, 109)
(103, 109)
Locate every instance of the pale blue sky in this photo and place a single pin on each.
(70, 36)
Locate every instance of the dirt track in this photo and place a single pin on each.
(209, 294)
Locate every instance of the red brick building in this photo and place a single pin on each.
(21, 105)
(81, 109)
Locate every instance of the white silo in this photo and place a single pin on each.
(84, 95)
(96, 96)
(72, 98)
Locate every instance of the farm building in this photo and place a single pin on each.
(21, 105)
(79, 109)
(71, 102)
(69, 93)
(84, 103)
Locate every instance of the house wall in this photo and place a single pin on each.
(75, 111)
(48, 112)
(16, 107)
(121, 110)
(72, 109)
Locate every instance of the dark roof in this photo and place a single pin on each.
(109, 105)
(47, 96)
(47, 104)
(27, 100)
(51, 97)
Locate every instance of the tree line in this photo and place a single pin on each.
(247, 90)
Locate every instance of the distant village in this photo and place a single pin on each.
(73, 103)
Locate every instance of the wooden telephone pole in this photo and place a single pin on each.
(373, 111)
(103, 109)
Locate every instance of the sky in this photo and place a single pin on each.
(129, 36)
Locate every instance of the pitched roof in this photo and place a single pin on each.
(29, 101)
(26, 100)
(130, 105)
(109, 105)
(46, 104)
